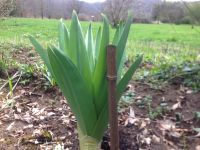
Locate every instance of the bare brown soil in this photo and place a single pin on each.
(174, 129)
(35, 117)
(41, 118)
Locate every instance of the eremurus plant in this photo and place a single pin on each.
(78, 65)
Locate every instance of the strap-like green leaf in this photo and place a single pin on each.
(90, 46)
(63, 37)
(78, 53)
(42, 52)
(118, 33)
(127, 77)
(76, 36)
(97, 44)
(121, 66)
(74, 88)
(122, 41)
(102, 121)
(99, 78)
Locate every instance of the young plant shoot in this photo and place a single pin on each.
(78, 64)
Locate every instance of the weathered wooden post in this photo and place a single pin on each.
(113, 113)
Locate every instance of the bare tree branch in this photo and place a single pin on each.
(75, 5)
(6, 7)
(117, 10)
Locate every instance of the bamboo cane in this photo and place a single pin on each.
(112, 78)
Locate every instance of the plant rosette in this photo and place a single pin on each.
(78, 65)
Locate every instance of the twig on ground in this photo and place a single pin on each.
(7, 81)
(15, 85)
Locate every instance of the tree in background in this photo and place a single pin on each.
(6, 7)
(193, 11)
(75, 5)
(177, 12)
(49, 8)
(42, 8)
(168, 12)
(117, 10)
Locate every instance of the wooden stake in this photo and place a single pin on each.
(112, 79)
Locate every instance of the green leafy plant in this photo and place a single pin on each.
(8, 103)
(78, 65)
(48, 76)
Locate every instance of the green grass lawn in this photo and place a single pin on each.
(150, 39)
(18, 28)
(163, 45)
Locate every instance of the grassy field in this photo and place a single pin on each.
(17, 29)
(163, 45)
(150, 39)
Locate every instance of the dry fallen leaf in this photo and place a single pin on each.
(156, 139)
(176, 106)
(197, 135)
(65, 119)
(131, 113)
(46, 147)
(17, 117)
(19, 110)
(33, 105)
(131, 119)
(10, 126)
(147, 140)
(2, 140)
(143, 124)
(27, 118)
(189, 92)
(28, 126)
(197, 147)
(41, 117)
(145, 132)
(175, 134)
(37, 132)
(59, 146)
(138, 98)
(37, 112)
(166, 125)
(50, 114)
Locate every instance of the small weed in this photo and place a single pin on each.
(126, 99)
(8, 103)
(186, 73)
(179, 117)
(153, 113)
(173, 39)
(50, 80)
(164, 61)
(10, 83)
(28, 72)
(197, 115)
